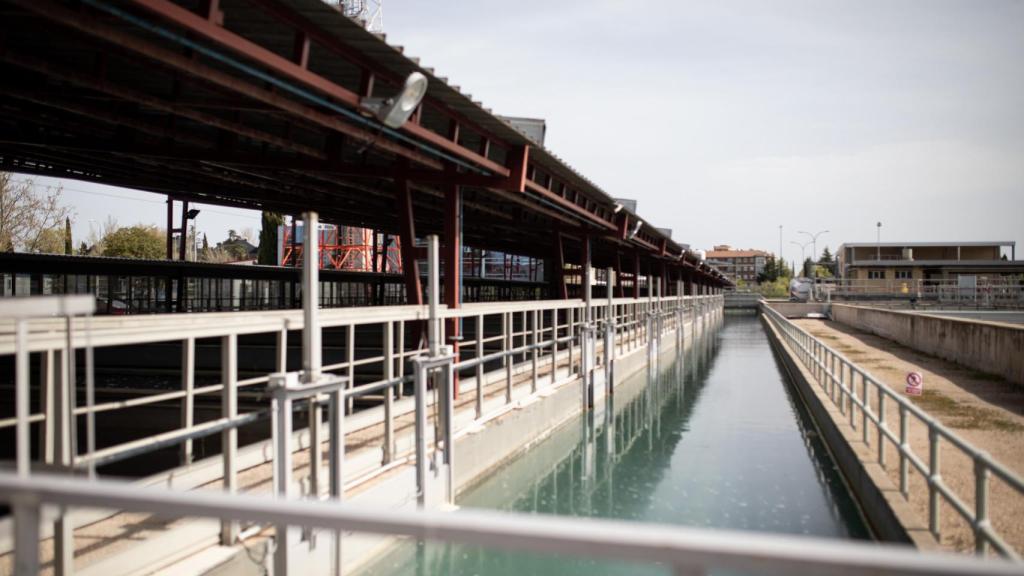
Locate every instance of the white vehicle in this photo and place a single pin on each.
(800, 289)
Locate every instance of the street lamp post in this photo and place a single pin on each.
(803, 248)
(779, 265)
(878, 240)
(814, 248)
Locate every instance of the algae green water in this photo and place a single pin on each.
(716, 439)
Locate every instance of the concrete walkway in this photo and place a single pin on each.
(985, 410)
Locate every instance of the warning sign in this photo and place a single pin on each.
(915, 384)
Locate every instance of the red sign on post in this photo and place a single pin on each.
(915, 384)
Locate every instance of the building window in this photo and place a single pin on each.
(903, 275)
(876, 274)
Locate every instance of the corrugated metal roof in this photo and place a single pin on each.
(394, 59)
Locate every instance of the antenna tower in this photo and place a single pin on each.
(369, 13)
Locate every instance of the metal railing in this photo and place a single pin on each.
(840, 378)
(684, 550)
(511, 338)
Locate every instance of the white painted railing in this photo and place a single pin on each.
(684, 550)
(840, 379)
(525, 334)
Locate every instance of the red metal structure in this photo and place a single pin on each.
(344, 248)
(257, 104)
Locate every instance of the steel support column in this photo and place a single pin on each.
(407, 236)
(453, 268)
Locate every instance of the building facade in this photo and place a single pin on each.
(899, 266)
(743, 265)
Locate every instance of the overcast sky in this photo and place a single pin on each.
(727, 119)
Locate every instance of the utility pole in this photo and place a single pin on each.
(778, 267)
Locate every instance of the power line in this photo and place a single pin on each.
(149, 201)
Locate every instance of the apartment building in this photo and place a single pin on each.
(743, 265)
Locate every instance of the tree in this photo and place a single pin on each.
(268, 238)
(808, 268)
(68, 244)
(49, 241)
(827, 262)
(140, 241)
(26, 215)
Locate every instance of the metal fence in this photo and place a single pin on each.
(508, 340)
(840, 379)
(683, 551)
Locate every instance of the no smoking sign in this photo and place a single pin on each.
(915, 384)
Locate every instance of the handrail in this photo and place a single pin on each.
(685, 550)
(628, 315)
(821, 360)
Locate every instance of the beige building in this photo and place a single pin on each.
(738, 264)
(910, 265)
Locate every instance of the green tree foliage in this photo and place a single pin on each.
(145, 242)
(48, 241)
(808, 268)
(268, 239)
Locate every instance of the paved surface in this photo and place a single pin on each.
(984, 315)
(985, 410)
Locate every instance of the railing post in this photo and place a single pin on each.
(866, 401)
(881, 427)
(535, 319)
(21, 391)
(980, 504)
(507, 328)
(281, 413)
(420, 397)
(229, 437)
(934, 478)
(389, 393)
(449, 423)
(609, 336)
(904, 446)
(188, 382)
(554, 346)
(337, 461)
(26, 537)
(480, 366)
(433, 326)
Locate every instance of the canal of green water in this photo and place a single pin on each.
(716, 438)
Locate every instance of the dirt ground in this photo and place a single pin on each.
(984, 410)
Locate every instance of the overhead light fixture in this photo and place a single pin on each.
(191, 214)
(395, 111)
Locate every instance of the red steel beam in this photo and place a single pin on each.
(102, 30)
(227, 39)
(285, 14)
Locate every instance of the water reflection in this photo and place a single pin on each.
(714, 439)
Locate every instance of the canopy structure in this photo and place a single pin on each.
(258, 104)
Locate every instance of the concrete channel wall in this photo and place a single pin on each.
(986, 346)
(890, 516)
